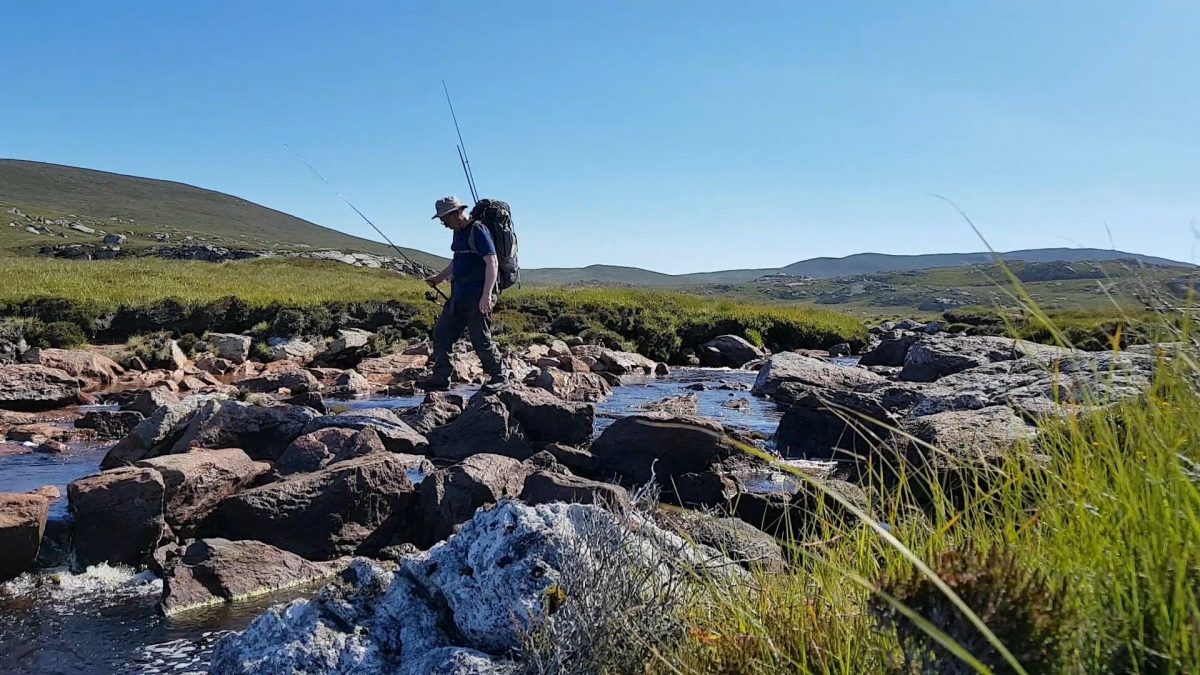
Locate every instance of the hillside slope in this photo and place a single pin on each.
(145, 206)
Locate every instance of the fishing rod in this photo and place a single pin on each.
(361, 215)
(462, 147)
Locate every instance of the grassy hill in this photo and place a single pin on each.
(824, 268)
(109, 202)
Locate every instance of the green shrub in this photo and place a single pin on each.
(261, 351)
(289, 323)
(61, 334)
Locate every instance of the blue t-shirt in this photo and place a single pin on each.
(469, 269)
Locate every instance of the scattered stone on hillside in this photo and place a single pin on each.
(230, 346)
(323, 514)
(194, 483)
(22, 523)
(110, 423)
(118, 515)
(113, 239)
(449, 610)
(212, 571)
(729, 351)
(26, 386)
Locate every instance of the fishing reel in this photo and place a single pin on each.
(432, 297)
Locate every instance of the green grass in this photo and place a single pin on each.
(196, 296)
(1079, 553)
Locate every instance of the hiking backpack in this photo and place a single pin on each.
(497, 218)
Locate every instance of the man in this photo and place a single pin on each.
(472, 274)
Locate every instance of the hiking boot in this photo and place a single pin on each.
(433, 385)
(497, 383)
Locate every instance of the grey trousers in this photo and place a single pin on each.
(462, 311)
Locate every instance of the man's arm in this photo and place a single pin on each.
(491, 271)
(444, 275)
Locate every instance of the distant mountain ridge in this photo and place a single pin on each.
(823, 268)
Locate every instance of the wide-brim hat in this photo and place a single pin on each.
(447, 205)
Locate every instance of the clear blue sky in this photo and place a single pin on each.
(677, 136)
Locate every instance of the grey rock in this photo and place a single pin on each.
(395, 434)
(296, 381)
(264, 431)
(35, 387)
(730, 351)
(573, 386)
(156, 434)
(22, 523)
(660, 446)
(110, 423)
(230, 346)
(451, 496)
(544, 487)
(792, 367)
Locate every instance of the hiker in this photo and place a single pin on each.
(473, 290)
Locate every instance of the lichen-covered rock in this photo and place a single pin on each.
(461, 606)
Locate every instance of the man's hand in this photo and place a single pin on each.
(486, 304)
(434, 280)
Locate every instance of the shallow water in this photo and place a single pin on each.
(104, 620)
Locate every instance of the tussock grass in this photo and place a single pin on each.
(313, 297)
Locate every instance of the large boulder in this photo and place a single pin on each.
(393, 368)
(735, 538)
(791, 367)
(546, 418)
(118, 515)
(395, 434)
(544, 487)
(451, 496)
(324, 514)
(229, 346)
(437, 410)
(195, 483)
(110, 423)
(468, 605)
(486, 426)
(937, 356)
(296, 381)
(572, 386)
(291, 349)
(213, 571)
(263, 431)
(729, 351)
(147, 401)
(659, 446)
(328, 446)
(890, 351)
(156, 434)
(627, 363)
(22, 523)
(96, 370)
(25, 386)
